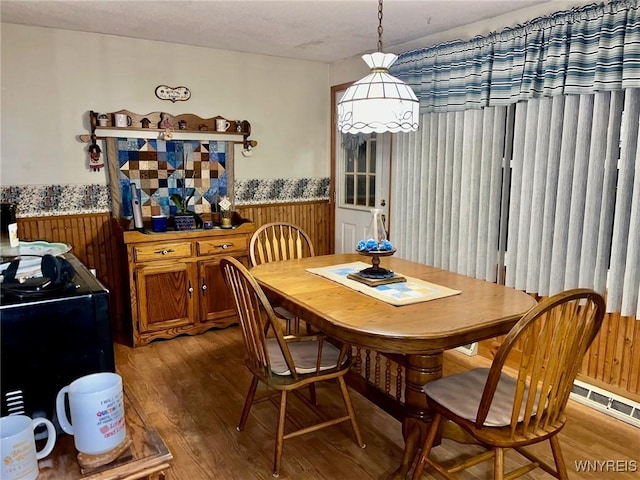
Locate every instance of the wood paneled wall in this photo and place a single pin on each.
(612, 362)
(315, 218)
(94, 243)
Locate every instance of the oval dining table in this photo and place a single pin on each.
(422, 331)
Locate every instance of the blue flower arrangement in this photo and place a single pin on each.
(372, 246)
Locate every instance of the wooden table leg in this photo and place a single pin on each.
(420, 369)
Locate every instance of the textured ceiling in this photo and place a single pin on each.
(324, 31)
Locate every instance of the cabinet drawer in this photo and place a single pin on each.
(161, 251)
(223, 245)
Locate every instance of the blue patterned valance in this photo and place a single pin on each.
(586, 49)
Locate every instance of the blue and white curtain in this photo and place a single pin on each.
(527, 157)
(587, 49)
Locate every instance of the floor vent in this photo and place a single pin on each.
(619, 407)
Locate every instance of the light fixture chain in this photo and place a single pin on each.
(380, 25)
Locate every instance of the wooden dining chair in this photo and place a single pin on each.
(284, 363)
(503, 412)
(278, 241)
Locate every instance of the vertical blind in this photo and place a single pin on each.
(566, 205)
(527, 159)
(574, 216)
(451, 178)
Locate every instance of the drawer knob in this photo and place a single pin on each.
(224, 246)
(165, 251)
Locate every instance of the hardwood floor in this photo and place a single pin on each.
(192, 390)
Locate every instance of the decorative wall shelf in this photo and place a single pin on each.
(152, 122)
(165, 154)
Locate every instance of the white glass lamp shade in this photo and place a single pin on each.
(379, 102)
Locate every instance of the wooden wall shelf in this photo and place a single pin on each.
(186, 130)
(190, 124)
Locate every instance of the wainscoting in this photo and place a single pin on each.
(612, 363)
(94, 241)
(315, 218)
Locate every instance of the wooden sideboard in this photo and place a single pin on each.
(175, 282)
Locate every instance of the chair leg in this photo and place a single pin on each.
(352, 414)
(428, 444)
(561, 467)
(498, 464)
(280, 433)
(248, 402)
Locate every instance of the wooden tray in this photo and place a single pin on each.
(376, 282)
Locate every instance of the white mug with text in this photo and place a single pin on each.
(96, 404)
(18, 447)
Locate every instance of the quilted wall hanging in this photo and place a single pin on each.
(199, 169)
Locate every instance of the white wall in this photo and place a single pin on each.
(52, 78)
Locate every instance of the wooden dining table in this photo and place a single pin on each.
(421, 331)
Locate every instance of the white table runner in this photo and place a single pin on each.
(404, 293)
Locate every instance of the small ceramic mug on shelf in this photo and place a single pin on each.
(222, 125)
(122, 120)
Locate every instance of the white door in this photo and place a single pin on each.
(362, 183)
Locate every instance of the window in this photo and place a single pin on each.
(359, 172)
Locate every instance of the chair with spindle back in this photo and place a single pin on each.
(284, 363)
(503, 412)
(275, 242)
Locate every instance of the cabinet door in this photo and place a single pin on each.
(166, 295)
(216, 301)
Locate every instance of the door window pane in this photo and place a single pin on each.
(362, 190)
(362, 157)
(348, 189)
(372, 191)
(359, 171)
(372, 158)
(349, 162)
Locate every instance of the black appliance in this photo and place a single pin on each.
(50, 338)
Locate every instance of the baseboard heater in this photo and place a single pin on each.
(599, 399)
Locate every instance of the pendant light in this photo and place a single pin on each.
(379, 102)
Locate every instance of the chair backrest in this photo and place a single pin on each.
(277, 241)
(256, 316)
(553, 337)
